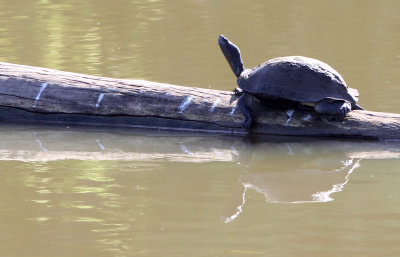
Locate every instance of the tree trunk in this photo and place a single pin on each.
(39, 95)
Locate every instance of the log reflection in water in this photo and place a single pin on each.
(303, 171)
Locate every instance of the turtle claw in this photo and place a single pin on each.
(237, 91)
(247, 123)
(344, 109)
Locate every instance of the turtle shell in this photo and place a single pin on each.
(296, 78)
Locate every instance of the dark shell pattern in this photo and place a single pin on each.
(296, 78)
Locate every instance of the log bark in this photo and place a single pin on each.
(41, 95)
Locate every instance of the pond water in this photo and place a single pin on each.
(73, 191)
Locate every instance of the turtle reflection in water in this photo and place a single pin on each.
(293, 81)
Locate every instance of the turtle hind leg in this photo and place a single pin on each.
(244, 103)
(333, 106)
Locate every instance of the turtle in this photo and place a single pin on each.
(295, 81)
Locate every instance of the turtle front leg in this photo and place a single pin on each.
(333, 106)
(244, 104)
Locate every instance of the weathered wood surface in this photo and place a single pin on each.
(40, 95)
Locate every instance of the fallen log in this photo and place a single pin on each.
(41, 95)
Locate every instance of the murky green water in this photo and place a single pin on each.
(85, 192)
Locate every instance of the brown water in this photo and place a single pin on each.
(85, 192)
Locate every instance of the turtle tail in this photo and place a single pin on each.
(232, 55)
(356, 107)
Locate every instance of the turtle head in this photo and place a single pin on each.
(232, 55)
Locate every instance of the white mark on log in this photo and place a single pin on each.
(185, 103)
(214, 104)
(232, 111)
(100, 145)
(289, 116)
(99, 99)
(41, 145)
(42, 88)
(307, 117)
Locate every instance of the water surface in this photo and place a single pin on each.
(91, 192)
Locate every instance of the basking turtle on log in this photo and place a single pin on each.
(293, 81)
